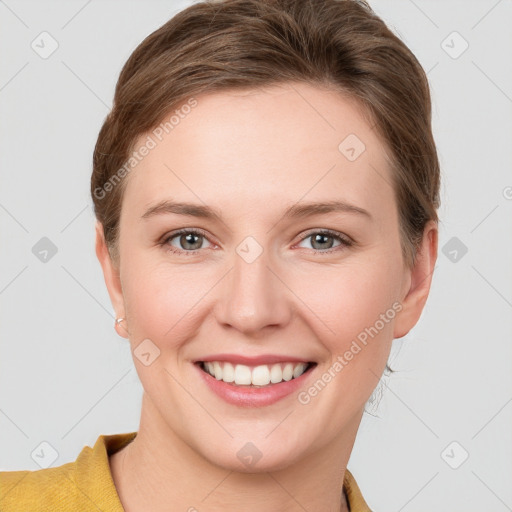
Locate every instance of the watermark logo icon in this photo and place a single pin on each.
(44, 455)
(249, 249)
(249, 454)
(44, 45)
(454, 455)
(454, 249)
(351, 147)
(44, 250)
(146, 352)
(454, 45)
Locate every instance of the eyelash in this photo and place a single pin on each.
(345, 241)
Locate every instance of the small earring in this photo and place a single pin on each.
(117, 324)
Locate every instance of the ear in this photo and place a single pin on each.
(112, 278)
(417, 283)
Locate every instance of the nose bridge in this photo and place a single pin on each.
(252, 296)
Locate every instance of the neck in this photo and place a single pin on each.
(158, 471)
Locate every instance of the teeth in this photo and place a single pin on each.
(261, 375)
(217, 370)
(288, 372)
(299, 370)
(242, 375)
(276, 374)
(228, 373)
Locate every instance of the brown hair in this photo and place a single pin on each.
(242, 44)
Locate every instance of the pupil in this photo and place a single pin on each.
(320, 237)
(189, 239)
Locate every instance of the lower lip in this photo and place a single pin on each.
(245, 396)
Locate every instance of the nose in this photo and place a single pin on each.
(253, 297)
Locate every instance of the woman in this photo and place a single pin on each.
(265, 189)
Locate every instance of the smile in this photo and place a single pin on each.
(254, 384)
(254, 376)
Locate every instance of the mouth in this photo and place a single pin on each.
(255, 376)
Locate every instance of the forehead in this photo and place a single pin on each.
(245, 150)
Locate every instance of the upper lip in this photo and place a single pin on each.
(253, 361)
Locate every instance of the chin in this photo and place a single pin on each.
(251, 456)
(266, 464)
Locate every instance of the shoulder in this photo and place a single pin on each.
(39, 490)
(85, 484)
(354, 496)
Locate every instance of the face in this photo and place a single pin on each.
(257, 278)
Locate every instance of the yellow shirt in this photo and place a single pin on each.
(87, 484)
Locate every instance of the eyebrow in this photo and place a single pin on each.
(295, 211)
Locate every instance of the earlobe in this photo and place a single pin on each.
(111, 277)
(418, 280)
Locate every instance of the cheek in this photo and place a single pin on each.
(359, 303)
(162, 301)
(349, 298)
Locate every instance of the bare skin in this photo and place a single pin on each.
(250, 155)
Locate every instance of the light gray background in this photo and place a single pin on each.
(65, 375)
